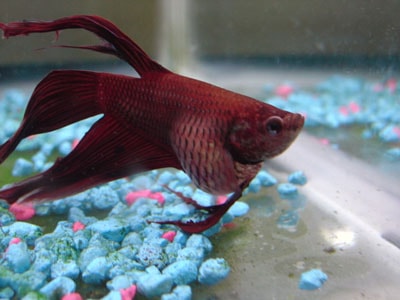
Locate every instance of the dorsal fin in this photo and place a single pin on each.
(119, 44)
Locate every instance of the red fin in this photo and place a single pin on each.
(216, 213)
(120, 44)
(60, 99)
(108, 151)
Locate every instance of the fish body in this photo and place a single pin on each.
(159, 119)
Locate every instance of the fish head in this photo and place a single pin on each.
(263, 133)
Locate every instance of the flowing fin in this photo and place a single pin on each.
(60, 99)
(216, 212)
(119, 45)
(108, 151)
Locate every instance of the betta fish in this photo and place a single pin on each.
(155, 120)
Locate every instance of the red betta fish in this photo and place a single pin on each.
(157, 120)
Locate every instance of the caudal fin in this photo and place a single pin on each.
(108, 151)
(60, 99)
(119, 44)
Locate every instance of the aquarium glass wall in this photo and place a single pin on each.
(319, 221)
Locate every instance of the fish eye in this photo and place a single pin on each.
(274, 125)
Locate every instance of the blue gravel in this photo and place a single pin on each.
(312, 279)
(117, 251)
(298, 178)
(287, 190)
(342, 101)
(213, 270)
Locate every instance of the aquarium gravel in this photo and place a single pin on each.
(343, 101)
(312, 279)
(126, 253)
(122, 251)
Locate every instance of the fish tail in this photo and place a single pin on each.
(108, 151)
(119, 44)
(60, 99)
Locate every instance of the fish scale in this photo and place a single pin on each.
(158, 120)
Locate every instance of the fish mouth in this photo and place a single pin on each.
(294, 122)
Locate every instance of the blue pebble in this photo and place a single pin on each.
(287, 190)
(165, 177)
(104, 197)
(181, 238)
(157, 241)
(59, 207)
(181, 292)
(152, 270)
(18, 257)
(39, 160)
(186, 190)
(182, 271)
(26, 231)
(65, 148)
(171, 250)
(27, 281)
(389, 134)
(22, 167)
(191, 253)
(392, 154)
(174, 184)
(266, 179)
(119, 282)
(96, 271)
(111, 229)
(297, 177)
(227, 218)
(68, 268)
(213, 270)
(46, 148)
(132, 238)
(142, 182)
(152, 231)
(183, 178)
(239, 209)
(199, 241)
(89, 254)
(6, 217)
(43, 260)
(152, 255)
(255, 185)
(58, 287)
(43, 209)
(312, 279)
(203, 198)
(15, 98)
(178, 211)
(154, 285)
(214, 229)
(6, 293)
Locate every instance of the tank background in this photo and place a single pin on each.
(221, 28)
(138, 19)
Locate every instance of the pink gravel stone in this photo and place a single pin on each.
(128, 293)
(78, 226)
(133, 196)
(72, 296)
(284, 90)
(169, 235)
(22, 212)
